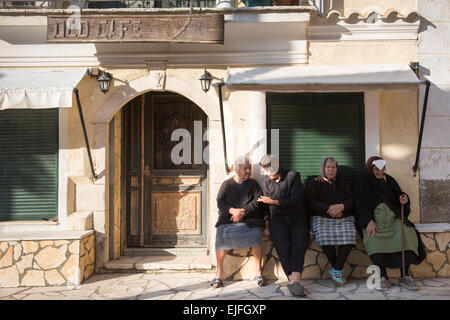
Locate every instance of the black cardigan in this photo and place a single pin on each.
(322, 194)
(370, 192)
(289, 192)
(230, 197)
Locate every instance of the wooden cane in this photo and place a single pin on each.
(403, 238)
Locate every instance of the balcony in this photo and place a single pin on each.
(103, 4)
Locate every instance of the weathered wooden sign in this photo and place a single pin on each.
(200, 28)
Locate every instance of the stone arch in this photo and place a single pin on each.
(126, 93)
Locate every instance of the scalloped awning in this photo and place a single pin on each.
(323, 78)
(38, 88)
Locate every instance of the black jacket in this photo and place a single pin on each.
(289, 192)
(229, 196)
(370, 192)
(321, 194)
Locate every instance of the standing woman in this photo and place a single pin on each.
(332, 221)
(283, 192)
(241, 219)
(378, 200)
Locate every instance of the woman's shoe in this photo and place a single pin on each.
(216, 283)
(385, 284)
(260, 281)
(296, 289)
(408, 283)
(337, 276)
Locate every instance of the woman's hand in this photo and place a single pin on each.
(236, 214)
(371, 229)
(335, 210)
(268, 200)
(403, 199)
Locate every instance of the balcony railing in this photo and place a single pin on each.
(106, 4)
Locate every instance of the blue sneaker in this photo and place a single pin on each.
(337, 276)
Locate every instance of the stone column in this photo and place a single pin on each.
(225, 3)
(258, 144)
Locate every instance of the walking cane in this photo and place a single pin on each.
(403, 238)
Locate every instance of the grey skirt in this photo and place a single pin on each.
(329, 232)
(237, 235)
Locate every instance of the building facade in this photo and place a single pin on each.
(127, 179)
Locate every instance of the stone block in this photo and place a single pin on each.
(232, 264)
(437, 259)
(80, 221)
(61, 242)
(438, 64)
(25, 262)
(443, 240)
(17, 251)
(45, 243)
(33, 278)
(438, 98)
(7, 258)
(444, 272)
(357, 257)
(434, 194)
(433, 129)
(434, 10)
(54, 278)
(435, 38)
(50, 258)
(429, 243)
(310, 257)
(74, 247)
(90, 198)
(423, 270)
(70, 270)
(311, 272)
(360, 272)
(3, 246)
(322, 261)
(9, 277)
(30, 246)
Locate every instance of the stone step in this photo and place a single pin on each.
(159, 263)
(191, 252)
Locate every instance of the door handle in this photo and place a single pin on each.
(146, 170)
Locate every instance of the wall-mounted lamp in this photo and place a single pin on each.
(205, 81)
(103, 78)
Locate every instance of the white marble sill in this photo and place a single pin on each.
(433, 227)
(45, 235)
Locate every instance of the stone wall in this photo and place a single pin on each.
(239, 264)
(30, 263)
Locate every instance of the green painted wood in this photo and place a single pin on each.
(318, 125)
(28, 164)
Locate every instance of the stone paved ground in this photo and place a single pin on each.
(195, 286)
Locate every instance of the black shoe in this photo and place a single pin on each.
(296, 289)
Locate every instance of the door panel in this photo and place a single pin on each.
(173, 211)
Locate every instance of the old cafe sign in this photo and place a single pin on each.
(200, 28)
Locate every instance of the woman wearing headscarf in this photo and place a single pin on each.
(378, 200)
(332, 222)
(283, 192)
(241, 221)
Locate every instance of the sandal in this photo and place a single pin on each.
(260, 281)
(216, 283)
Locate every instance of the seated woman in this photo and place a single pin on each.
(241, 218)
(283, 192)
(332, 221)
(378, 200)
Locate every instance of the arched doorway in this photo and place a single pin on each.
(164, 181)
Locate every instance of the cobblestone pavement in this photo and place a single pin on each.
(196, 286)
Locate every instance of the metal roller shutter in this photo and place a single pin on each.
(318, 125)
(28, 164)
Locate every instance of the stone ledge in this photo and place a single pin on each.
(45, 235)
(433, 227)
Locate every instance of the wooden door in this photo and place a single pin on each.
(166, 199)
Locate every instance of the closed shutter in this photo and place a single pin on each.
(318, 125)
(28, 164)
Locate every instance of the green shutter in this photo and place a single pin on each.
(28, 164)
(318, 125)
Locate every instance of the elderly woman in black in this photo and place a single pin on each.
(241, 218)
(332, 221)
(283, 192)
(378, 200)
